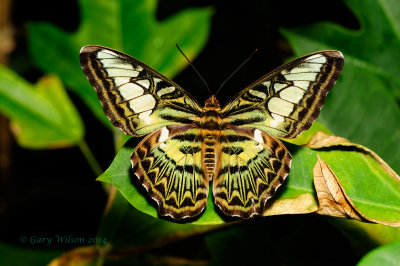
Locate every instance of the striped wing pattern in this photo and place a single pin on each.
(253, 165)
(168, 164)
(135, 97)
(187, 146)
(286, 101)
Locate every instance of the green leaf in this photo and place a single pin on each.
(42, 115)
(385, 255)
(362, 106)
(129, 26)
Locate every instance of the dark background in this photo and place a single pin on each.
(51, 192)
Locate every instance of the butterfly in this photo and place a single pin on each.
(186, 146)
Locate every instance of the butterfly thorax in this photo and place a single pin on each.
(211, 126)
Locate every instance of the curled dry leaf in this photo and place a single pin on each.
(332, 198)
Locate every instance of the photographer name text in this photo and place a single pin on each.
(61, 239)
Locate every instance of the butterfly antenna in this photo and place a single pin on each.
(198, 73)
(237, 69)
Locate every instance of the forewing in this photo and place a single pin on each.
(168, 164)
(253, 165)
(134, 96)
(286, 101)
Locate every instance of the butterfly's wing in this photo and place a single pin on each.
(286, 101)
(168, 164)
(283, 103)
(253, 165)
(134, 96)
(139, 100)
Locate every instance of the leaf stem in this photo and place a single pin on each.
(87, 153)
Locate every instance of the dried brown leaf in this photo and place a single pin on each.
(332, 198)
(304, 203)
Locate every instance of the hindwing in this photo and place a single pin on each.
(168, 164)
(134, 96)
(253, 165)
(286, 101)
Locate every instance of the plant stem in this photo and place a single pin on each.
(87, 153)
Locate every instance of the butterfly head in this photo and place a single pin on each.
(212, 103)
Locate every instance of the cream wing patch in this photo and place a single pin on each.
(292, 94)
(119, 72)
(121, 81)
(117, 67)
(143, 103)
(259, 94)
(307, 70)
(165, 91)
(130, 91)
(317, 58)
(145, 83)
(279, 86)
(104, 54)
(280, 106)
(311, 76)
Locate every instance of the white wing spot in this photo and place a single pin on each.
(116, 63)
(116, 72)
(144, 82)
(292, 94)
(157, 80)
(267, 84)
(302, 84)
(279, 86)
(279, 106)
(306, 67)
(130, 91)
(164, 91)
(121, 81)
(258, 94)
(142, 103)
(258, 136)
(106, 54)
(277, 118)
(301, 76)
(317, 58)
(145, 116)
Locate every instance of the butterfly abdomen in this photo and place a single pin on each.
(211, 125)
